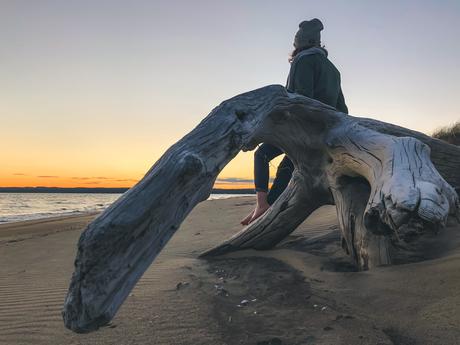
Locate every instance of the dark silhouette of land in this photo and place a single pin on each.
(100, 190)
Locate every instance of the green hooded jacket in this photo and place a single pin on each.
(314, 76)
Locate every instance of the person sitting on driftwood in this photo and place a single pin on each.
(313, 75)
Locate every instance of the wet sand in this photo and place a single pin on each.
(302, 292)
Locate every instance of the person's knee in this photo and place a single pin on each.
(285, 170)
(286, 164)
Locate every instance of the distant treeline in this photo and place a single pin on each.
(100, 190)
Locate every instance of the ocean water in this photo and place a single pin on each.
(15, 207)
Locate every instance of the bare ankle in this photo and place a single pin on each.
(262, 199)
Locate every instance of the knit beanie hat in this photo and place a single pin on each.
(308, 33)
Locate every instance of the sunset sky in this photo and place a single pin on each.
(93, 92)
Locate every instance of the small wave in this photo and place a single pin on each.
(21, 207)
(226, 196)
(36, 216)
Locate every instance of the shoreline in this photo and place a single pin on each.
(19, 230)
(27, 229)
(41, 216)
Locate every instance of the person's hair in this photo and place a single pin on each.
(298, 50)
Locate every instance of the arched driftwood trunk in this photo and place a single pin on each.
(380, 176)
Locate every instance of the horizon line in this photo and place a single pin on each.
(113, 189)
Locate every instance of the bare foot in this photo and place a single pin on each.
(260, 210)
(246, 220)
(262, 205)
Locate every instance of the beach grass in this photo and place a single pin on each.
(450, 134)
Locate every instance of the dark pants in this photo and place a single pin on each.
(262, 157)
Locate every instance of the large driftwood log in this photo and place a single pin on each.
(381, 184)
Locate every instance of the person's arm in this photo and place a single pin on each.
(341, 106)
(303, 78)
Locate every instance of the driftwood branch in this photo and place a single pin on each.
(295, 204)
(379, 182)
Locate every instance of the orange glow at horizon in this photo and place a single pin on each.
(21, 180)
(119, 169)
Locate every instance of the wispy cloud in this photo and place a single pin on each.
(100, 178)
(234, 180)
(19, 174)
(230, 180)
(93, 178)
(48, 176)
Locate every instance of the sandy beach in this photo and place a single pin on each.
(297, 293)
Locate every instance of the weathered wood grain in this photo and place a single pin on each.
(119, 245)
